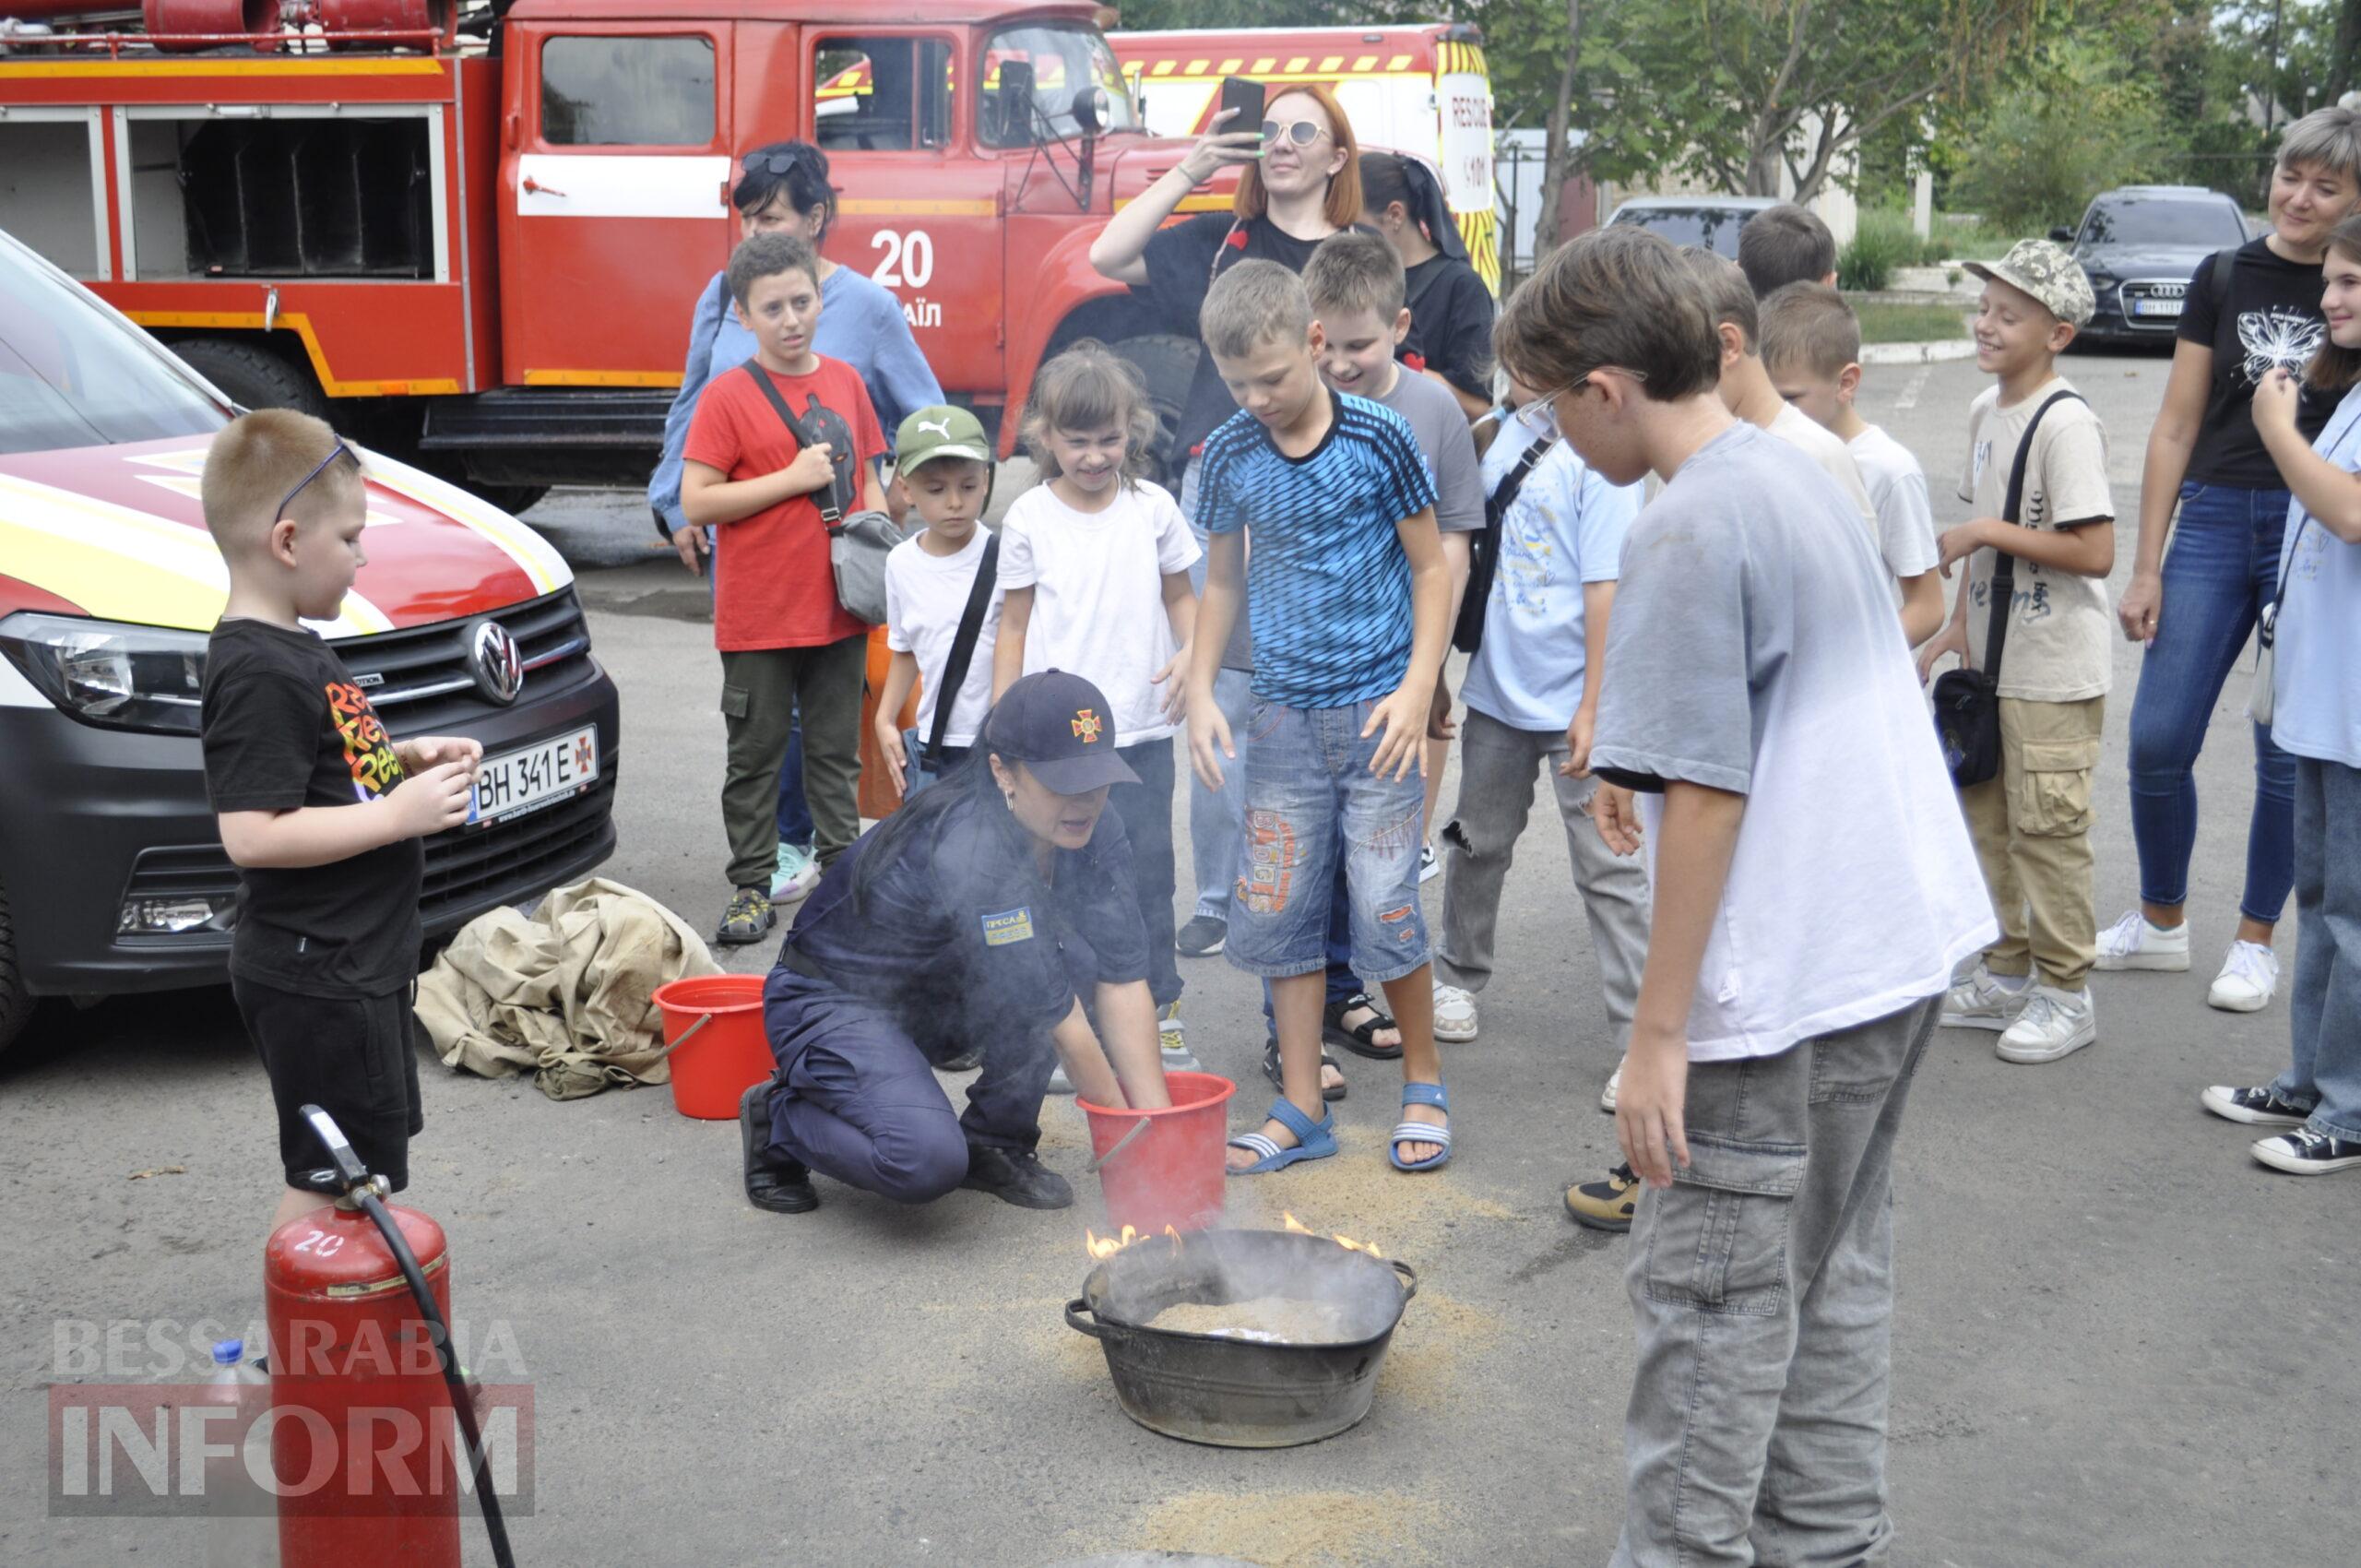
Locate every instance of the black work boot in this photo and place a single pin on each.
(1015, 1178)
(773, 1181)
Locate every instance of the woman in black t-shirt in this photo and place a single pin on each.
(2194, 607)
(1451, 310)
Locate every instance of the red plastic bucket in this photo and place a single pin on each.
(1171, 1173)
(714, 1023)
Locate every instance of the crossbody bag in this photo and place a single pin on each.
(1484, 550)
(1967, 702)
(858, 543)
(923, 763)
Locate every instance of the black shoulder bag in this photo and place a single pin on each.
(859, 543)
(924, 763)
(1484, 550)
(1967, 702)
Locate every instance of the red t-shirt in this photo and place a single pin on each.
(775, 588)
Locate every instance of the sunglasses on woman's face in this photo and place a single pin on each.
(1304, 133)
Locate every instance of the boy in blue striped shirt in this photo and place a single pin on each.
(1349, 599)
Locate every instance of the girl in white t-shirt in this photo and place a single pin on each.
(1094, 564)
(2314, 633)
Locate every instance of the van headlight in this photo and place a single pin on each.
(107, 673)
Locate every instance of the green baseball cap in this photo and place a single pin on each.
(940, 432)
(2049, 273)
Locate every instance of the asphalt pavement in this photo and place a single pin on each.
(2118, 1340)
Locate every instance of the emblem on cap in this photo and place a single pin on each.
(498, 667)
(1087, 725)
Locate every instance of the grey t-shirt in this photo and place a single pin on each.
(1440, 426)
(1754, 649)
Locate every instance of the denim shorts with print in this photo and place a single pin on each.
(1310, 798)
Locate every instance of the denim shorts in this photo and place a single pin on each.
(1310, 799)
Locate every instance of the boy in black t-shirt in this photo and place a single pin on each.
(319, 808)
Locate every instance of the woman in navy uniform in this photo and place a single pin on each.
(983, 914)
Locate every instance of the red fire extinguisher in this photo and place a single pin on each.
(370, 1420)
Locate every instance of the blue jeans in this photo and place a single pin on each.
(794, 816)
(2324, 1003)
(2221, 569)
(1311, 803)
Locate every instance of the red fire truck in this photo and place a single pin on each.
(474, 235)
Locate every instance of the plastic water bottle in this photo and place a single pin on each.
(242, 1518)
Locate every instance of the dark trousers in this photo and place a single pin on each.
(856, 1099)
(1146, 811)
(763, 691)
(794, 816)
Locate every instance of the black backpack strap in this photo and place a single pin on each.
(825, 496)
(1504, 493)
(2004, 570)
(2225, 326)
(963, 644)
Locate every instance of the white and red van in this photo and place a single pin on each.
(464, 621)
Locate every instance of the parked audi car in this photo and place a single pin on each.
(1712, 222)
(2140, 244)
(464, 621)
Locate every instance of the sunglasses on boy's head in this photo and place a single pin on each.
(1304, 133)
(338, 450)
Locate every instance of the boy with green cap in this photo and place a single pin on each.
(940, 582)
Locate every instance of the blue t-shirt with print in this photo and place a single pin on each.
(2316, 642)
(1327, 583)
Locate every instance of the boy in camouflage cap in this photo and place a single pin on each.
(2031, 820)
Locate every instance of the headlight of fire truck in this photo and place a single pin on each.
(107, 672)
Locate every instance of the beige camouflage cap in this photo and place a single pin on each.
(2049, 273)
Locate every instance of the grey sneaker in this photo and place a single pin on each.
(2052, 1023)
(1202, 936)
(749, 917)
(1979, 1002)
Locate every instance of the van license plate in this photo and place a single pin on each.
(2155, 308)
(516, 782)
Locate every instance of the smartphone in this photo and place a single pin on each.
(1246, 96)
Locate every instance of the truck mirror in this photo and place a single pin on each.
(1016, 100)
(1091, 109)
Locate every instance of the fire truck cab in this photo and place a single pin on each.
(475, 236)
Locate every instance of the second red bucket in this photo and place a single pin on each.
(1170, 1173)
(714, 1023)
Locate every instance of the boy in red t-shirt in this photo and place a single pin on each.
(786, 643)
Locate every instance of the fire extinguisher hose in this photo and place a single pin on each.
(462, 1404)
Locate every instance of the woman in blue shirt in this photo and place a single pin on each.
(784, 187)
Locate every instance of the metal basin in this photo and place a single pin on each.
(1240, 1393)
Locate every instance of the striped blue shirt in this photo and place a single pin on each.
(1327, 584)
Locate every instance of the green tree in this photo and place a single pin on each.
(2078, 119)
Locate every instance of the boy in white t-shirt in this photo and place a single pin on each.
(1813, 889)
(1811, 349)
(944, 464)
(1094, 564)
(2031, 820)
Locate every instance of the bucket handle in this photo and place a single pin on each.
(1137, 1128)
(671, 1046)
(1074, 1309)
(1409, 1278)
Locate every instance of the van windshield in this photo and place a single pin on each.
(73, 376)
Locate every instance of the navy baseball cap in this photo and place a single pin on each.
(1058, 725)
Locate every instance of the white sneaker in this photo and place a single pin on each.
(1429, 863)
(1455, 1013)
(2248, 975)
(796, 874)
(2132, 944)
(1980, 1002)
(1614, 1087)
(2054, 1023)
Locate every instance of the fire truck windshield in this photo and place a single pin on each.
(72, 374)
(1064, 57)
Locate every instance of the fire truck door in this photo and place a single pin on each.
(919, 211)
(615, 171)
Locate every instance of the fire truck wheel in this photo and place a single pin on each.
(1165, 364)
(16, 1002)
(254, 376)
(510, 498)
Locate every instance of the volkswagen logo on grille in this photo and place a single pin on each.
(498, 668)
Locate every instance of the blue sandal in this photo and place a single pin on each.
(1420, 1132)
(1313, 1140)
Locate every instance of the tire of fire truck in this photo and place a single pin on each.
(253, 377)
(16, 1002)
(1166, 363)
(510, 498)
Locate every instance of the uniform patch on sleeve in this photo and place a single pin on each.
(1009, 925)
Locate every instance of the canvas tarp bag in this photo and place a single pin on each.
(1484, 550)
(858, 542)
(1967, 702)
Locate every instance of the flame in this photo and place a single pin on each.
(1099, 1247)
(1300, 1228)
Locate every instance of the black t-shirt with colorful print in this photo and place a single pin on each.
(285, 726)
